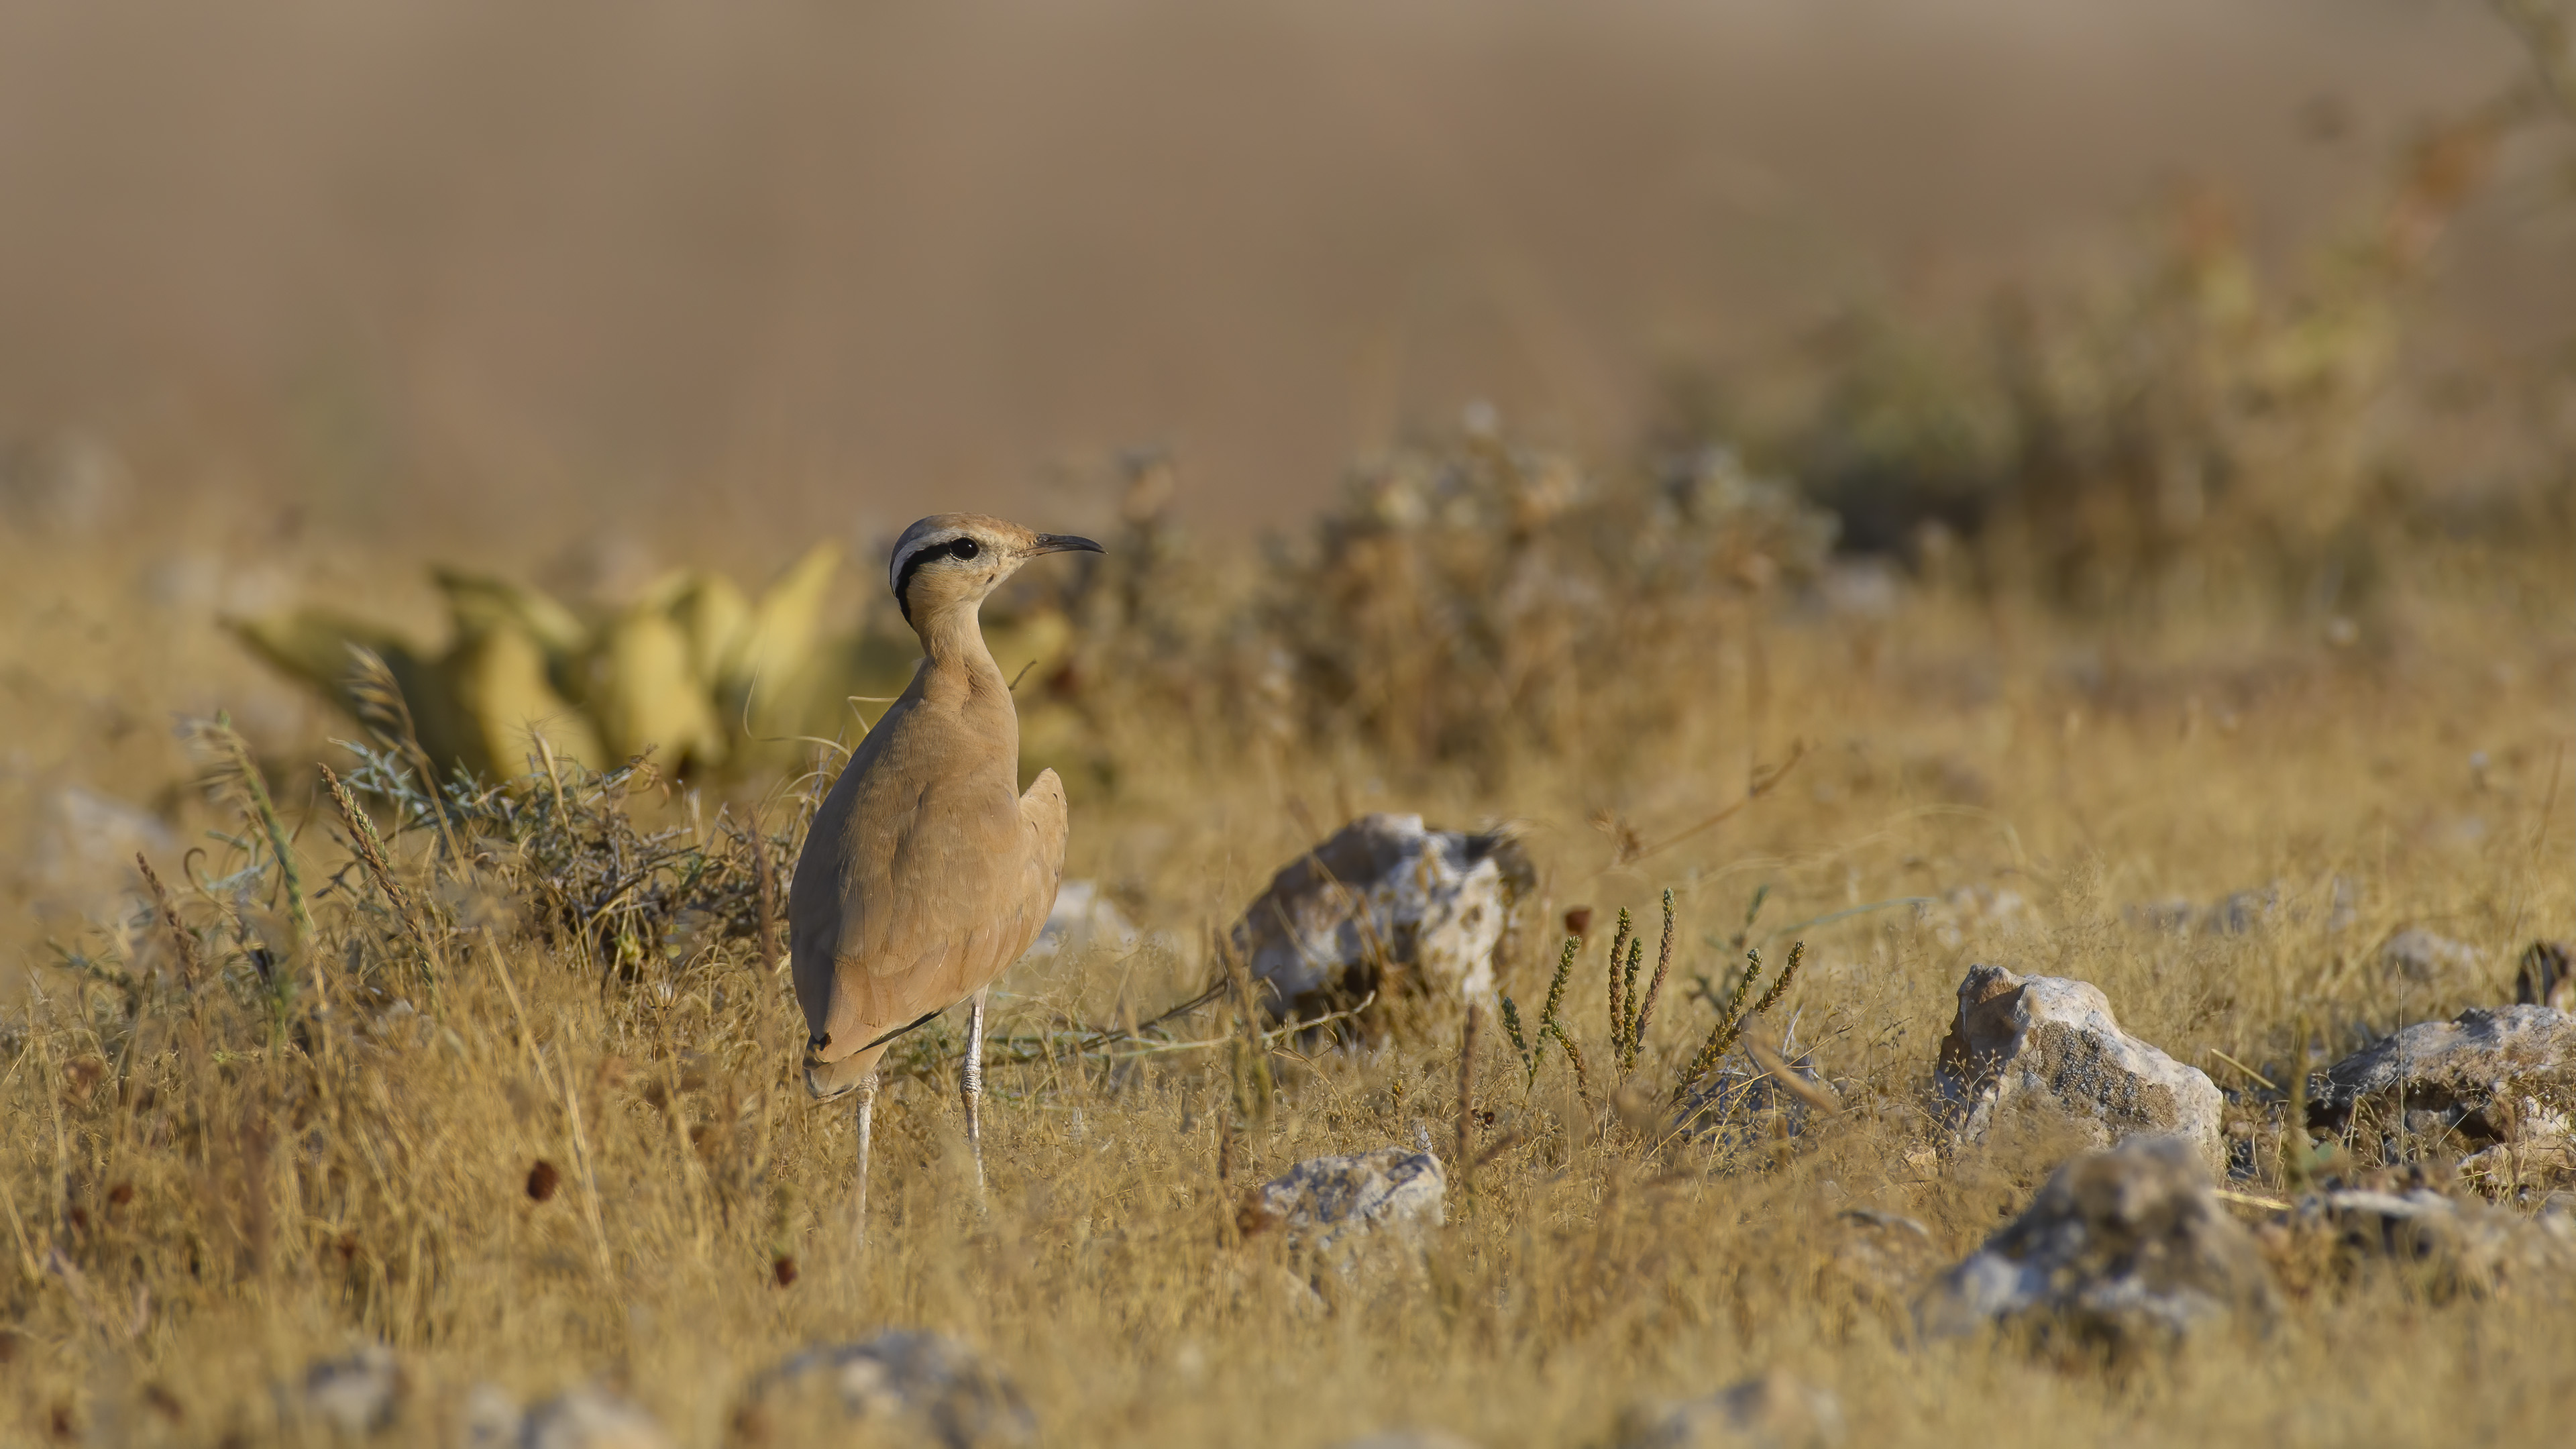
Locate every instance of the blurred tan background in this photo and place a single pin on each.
(454, 273)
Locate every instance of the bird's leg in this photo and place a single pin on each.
(970, 1086)
(867, 1111)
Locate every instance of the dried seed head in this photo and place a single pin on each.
(543, 1179)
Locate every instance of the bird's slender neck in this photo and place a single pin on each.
(953, 637)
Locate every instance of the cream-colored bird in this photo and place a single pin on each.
(927, 871)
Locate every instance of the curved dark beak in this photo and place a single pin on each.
(1064, 543)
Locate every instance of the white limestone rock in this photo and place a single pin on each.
(2451, 1245)
(1880, 1257)
(1772, 1411)
(77, 862)
(583, 1418)
(896, 1387)
(1384, 905)
(2423, 956)
(2127, 1248)
(1083, 917)
(2045, 1042)
(1350, 1210)
(590, 1418)
(355, 1395)
(2502, 1074)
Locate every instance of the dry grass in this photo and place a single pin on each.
(208, 1188)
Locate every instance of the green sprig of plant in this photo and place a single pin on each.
(1534, 1051)
(1732, 1018)
(1654, 988)
(1618, 998)
(1512, 1029)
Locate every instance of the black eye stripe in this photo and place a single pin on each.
(956, 548)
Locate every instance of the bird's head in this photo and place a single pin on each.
(952, 560)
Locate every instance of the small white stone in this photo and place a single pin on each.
(356, 1394)
(1771, 1411)
(1334, 1207)
(917, 1387)
(590, 1418)
(2420, 955)
(1083, 917)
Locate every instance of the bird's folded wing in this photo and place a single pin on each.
(930, 916)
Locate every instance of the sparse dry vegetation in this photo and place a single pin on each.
(2189, 670)
(246, 1141)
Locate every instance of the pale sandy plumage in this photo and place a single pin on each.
(927, 871)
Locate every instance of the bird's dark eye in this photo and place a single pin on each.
(962, 548)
